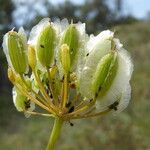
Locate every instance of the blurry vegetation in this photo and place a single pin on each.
(130, 130)
(96, 13)
(6, 9)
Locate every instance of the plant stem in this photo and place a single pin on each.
(65, 91)
(55, 133)
(44, 93)
(52, 88)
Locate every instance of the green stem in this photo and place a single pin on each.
(55, 133)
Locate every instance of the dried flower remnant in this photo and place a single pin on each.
(73, 75)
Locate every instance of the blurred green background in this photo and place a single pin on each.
(130, 130)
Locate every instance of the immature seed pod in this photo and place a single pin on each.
(15, 47)
(32, 57)
(21, 102)
(71, 38)
(65, 58)
(104, 74)
(45, 45)
(98, 47)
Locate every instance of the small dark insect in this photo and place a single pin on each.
(87, 54)
(68, 104)
(27, 104)
(91, 100)
(51, 96)
(71, 109)
(72, 85)
(71, 124)
(42, 46)
(114, 105)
